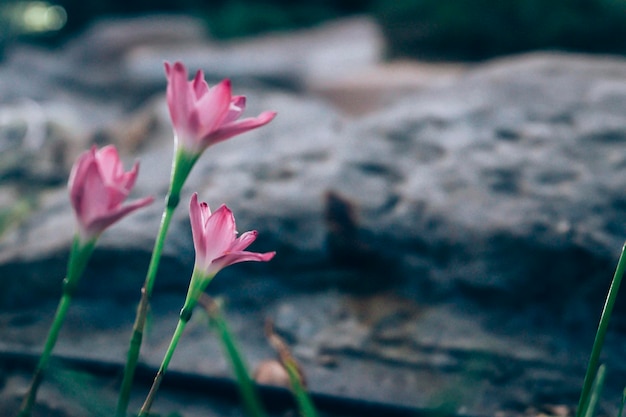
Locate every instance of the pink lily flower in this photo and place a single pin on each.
(215, 239)
(98, 186)
(203, 116)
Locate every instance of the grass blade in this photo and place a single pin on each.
(594, 360)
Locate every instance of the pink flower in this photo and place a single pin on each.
(203, 116)
(98, 186)
(215, 239)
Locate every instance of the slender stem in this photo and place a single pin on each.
(594, 359)
(145, 408)
(296, 377)
(79, 255)
(596, 390)
(181, 167)
(305, 404)
(53, 334)
(246, 386)
(142, 314)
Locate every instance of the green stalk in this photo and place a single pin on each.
(57, 323)
(247, 388)
(198, 282)
(305, 404)
(181, 167)
(142, 314)
(79, 255)
(596, 389)
(594, 360)
(296, 378)
(147, 405)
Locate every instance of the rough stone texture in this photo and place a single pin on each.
(512, 176)
(450, 249)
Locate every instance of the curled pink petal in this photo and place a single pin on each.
(215, 239)
(203, 116)
(103, 222)
(98, 186)
(237, 106)
(236, 257)
(239, 127)
(243, 241)
(200, 87)
(239, 102)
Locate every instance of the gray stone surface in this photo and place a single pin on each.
(510, 180)
(451, 248)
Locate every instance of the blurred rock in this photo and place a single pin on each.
(509, 176)
(294, 60)
(368, 89)
(123, 58)
(37, 144)
(506, 185)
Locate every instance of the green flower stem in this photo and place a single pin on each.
(247, 388)
(147, 405)
(79, 256)
(29, 399)
(142, 314)
(181, 167)
(197, 284)
(592, 367)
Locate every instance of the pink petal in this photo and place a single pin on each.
(95, 201)
(127, 179)
(97, 225)
(213, 107)
(179, 99)
(77, 178)
(243, 241)
(194, 126)
(120, 186)
(197, 228)
(109, 163)
(112, 172)
(239, 101)
(220, 232)
(236, 257)
(206, 212)
(237, 106)
(199, 85)
(236, 128)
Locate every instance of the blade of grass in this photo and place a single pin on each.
(247, 388)
(596, 390)
(296, 377)
(305, 404)
(598, 343)
(85, 391)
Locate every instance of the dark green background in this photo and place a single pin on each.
(440, 29)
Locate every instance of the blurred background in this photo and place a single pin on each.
(446, 29)
(444, 187)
